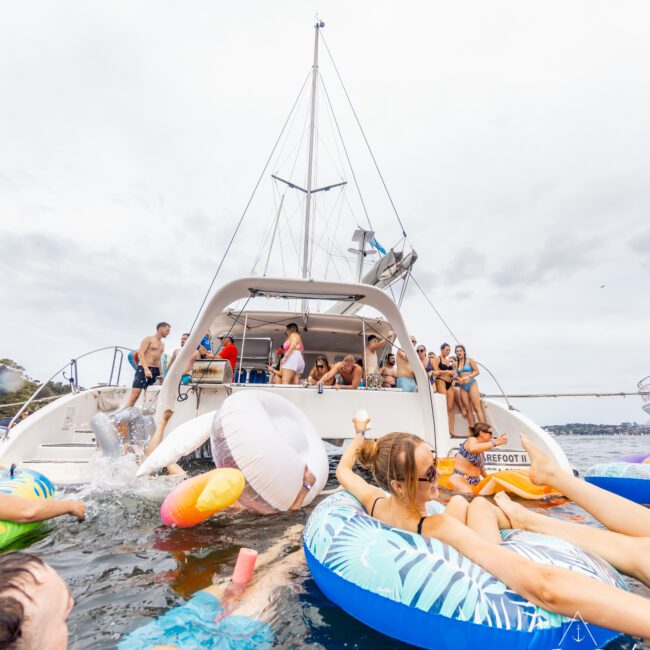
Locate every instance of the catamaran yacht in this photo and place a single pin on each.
(58, 440)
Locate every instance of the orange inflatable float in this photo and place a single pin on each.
(515, 481)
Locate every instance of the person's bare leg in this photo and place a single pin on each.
(482, 519)
(614, 512)
(287, 376)
(629, 555)
(133, 397)
(157, 437)
(457, 508)
(450, 410)
(469, 413)
(460, 485)
(296, 377)
(475, 399)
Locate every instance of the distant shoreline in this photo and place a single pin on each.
(624, 429)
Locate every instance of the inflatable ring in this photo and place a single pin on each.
(24, 483)
(421, 591)
(197, 499)
(270, 440)
(629, 480)
(126, 427)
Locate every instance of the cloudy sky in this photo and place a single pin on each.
(514, 137)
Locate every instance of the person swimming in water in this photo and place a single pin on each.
(469, 464)
(405, 467)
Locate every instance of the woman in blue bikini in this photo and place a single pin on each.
(467, 371)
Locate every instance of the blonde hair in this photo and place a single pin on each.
(392, 458)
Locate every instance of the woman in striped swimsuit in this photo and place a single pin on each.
(470, 462)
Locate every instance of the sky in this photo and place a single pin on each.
(513, 136)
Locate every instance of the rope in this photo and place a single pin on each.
(250, 200)
(433, 307)
(365, 139)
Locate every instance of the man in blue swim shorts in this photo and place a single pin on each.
(405, 375)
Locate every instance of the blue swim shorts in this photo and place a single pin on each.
(191, 626)
(407, 384)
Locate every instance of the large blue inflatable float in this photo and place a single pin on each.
(423, 592)
(629, 480)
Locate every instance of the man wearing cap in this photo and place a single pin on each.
(229, 350)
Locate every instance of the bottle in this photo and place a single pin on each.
(320, 388)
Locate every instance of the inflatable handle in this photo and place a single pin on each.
(245, 566)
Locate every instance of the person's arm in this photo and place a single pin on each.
(556, 589)
(348, 478)
(273, 371)
(27, 511)
(474, 446)
(357, 376)
(142, 351)
(330, 374)
(475, 371)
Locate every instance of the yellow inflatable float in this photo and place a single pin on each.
(515, 481)
(197, 499)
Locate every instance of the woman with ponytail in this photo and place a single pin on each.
(405, 468)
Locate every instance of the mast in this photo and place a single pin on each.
(310, 169)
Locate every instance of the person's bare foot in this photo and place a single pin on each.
(518, 515)
(167, 414)
(541, 470)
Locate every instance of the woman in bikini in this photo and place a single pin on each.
(405, 468)
(470, 462)
(467, 371)
(293, 363)
(443, 370)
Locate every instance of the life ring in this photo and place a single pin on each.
(199, 498)
(28, 484)
(629, 480)
(270, 440)
(421, 591)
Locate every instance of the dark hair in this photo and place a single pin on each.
(14, 568)
(462, 347)
(323, 358)
(185, 334)
(446, 345)
(372, 337)
(292, 327)
(390, 354)
(392, 458)
(227, 338)
(162, 324)
(480, 427)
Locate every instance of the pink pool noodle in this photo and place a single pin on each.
(245, 566)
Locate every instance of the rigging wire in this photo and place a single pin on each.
(365, 139)
(250, 200)
(345, 149)
(417, 284)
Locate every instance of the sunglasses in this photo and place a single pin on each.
(432, 472)
(420, 350)
(319, 367)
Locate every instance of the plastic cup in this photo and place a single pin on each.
(245, 566)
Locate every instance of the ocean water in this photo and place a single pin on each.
(124, 568)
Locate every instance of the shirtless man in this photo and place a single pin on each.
(389, 372)
(350, 372)
(373, 344)
(151, 350)
(405, 374)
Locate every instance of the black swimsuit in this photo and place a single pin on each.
(444, 366)
(372, 510)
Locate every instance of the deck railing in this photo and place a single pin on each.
(70, 372)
